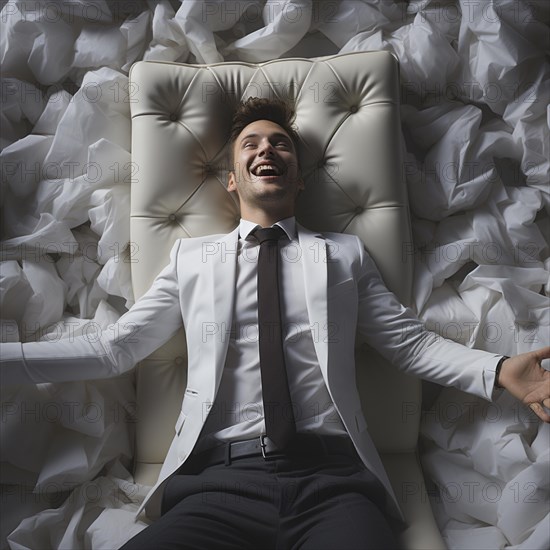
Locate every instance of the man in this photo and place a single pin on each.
(283, 459)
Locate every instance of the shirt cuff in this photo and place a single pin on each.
(490, 376)
(497, 371)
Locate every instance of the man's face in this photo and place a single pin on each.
(265, 166)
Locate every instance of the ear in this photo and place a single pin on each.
(300, 186)
(231, 183)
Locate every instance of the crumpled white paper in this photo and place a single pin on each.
(476, 89)
(82, 510)
(168, 43)
(285, 24)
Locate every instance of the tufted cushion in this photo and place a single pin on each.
(350, 156)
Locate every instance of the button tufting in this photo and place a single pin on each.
(173, 117)
(359, 209)
(321, 163)
(353, 109)
(179, 360)
(172, 217)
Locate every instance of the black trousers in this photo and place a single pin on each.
(280, 504)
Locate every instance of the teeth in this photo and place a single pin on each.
(265, 168)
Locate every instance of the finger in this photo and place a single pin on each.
(542, 353)
(546, 402)
(540, 412)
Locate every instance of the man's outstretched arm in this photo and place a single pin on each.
(400, 336)
(153, 319)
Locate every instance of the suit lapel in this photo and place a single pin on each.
(313, 247)
(223, 275)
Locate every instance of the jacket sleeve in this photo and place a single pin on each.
(151, 322)
(401, 338)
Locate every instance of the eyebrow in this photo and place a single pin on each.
(277, 135)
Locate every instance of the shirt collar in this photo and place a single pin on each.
(288, 225)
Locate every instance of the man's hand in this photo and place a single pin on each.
(524, 377)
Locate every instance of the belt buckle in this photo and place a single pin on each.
(263, 446)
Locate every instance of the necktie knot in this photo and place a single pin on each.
(264, 234)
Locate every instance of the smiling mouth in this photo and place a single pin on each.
(267, 171)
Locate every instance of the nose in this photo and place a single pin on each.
(265, 148)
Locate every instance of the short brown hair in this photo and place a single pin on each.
(255, 108)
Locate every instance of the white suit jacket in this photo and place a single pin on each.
(345, 296)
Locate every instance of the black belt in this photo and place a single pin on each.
(305, 445)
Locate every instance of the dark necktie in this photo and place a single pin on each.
(279, 417)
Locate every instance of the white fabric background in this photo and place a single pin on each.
(476, 89)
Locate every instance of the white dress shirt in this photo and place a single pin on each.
(237, 412)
